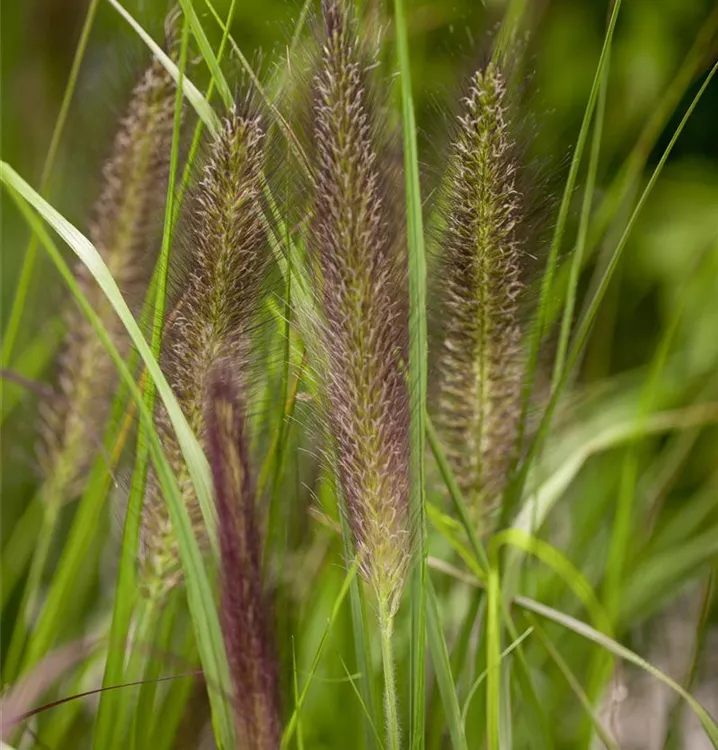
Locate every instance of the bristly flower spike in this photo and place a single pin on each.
(360, 257)
(214, 317)
(125, 231)
(244, 609)
(480, 356)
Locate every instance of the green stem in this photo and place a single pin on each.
(386, 625)
(584, 222)
(147, 620)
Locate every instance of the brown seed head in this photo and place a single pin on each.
(359, 252)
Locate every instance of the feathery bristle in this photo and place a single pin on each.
(361, 262)
(480, 356)
(214, 316)
(124, 231)
(244, 608)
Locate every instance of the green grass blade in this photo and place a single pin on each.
(295, 689)
(41, 549)
(576, 262)
(660, 576)
(574, 684)
(587, 632)
(291, 727)
(493, 659)
(442, 667)
(168, 719)
(537, 331)
(634, 164)
(207, 53)
(352, 680)
(700, 635)
(18, 549)
(586, 323)
(417, 379)
(477, 682)
(83, 248)
(560, 565)
(540, 502)
(105, 733)
(362, 637)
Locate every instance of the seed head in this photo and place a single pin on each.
(480, 353)
(361, 278)
(244, 608)
(124, 231)
(214, 318)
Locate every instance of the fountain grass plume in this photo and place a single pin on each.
(214, 318)
(357, 247)
(125, 230)
(479, 358)
(244, 609)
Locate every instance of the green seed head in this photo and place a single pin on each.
(480, 350)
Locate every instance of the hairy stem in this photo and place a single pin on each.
(386, 625)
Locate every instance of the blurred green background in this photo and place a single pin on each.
(670, 266)
(448, 38)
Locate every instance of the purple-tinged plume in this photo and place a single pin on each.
(245, 614)
(358, 250)
(213, 321)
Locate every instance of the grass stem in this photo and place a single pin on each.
(386, 625)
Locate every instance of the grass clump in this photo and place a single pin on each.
(257, 646)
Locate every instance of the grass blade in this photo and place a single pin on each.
(442, 666)
(541, 501)
(209, 57)
(586, 323)
(586, 631)
(124, 599)
(477, 683)
(579, 250)
(537, 331)
(293, 720)
(417, 378)
(83, 248)
(574, 684)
